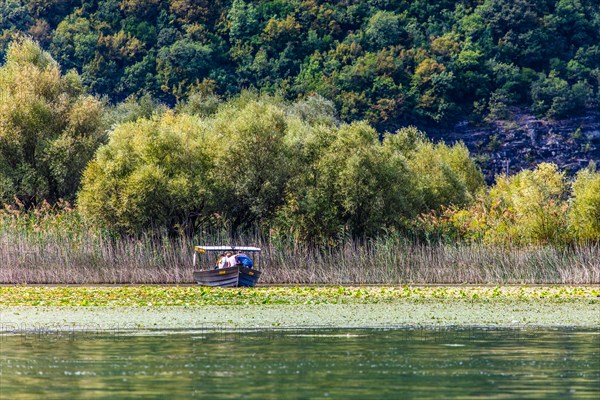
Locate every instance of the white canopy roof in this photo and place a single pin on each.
(226, 248)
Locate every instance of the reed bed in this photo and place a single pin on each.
(41, 258)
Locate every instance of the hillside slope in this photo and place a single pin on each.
(429, 63)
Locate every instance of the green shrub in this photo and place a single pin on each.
(527, 208)
(445, 175)
(584, 212)
(253, 161)
(555, 98)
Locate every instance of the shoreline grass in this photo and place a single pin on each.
(93, 259)
(52, 245)
(191, 296)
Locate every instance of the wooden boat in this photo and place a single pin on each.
(234, 276)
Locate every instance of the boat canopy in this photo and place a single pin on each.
(202, 249)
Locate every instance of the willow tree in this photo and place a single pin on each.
(584, 211)
(49, 127)
(254, 161)
(152, 173)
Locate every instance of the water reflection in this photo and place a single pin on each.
(310, 363)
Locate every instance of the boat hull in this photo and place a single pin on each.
(228, 277)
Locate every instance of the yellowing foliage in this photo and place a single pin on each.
(584, 212)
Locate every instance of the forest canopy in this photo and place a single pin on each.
(291, 169)
(391, 63)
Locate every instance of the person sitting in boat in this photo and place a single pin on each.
(243, 259)
(232, 259)
(223, 261)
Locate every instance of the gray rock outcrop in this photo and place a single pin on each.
(509, 146)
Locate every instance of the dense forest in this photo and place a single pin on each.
(390, 63)
(301, 119)
(257, 161)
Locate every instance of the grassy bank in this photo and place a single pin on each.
(203, 296)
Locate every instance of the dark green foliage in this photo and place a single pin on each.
(554, 97)
(391, 63)
(181, 64)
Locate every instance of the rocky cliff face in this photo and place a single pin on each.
(525, 141)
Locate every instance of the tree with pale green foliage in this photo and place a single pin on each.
(523, 209)
(349, 184)
(253, 162)
(152, 173)
(584, 211)
(259, 161)
(49, 127)
(445, 175)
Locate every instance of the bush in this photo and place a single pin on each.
(444, 175)
(584, 213)
(555, 98)
(527, 208)
(253, 162)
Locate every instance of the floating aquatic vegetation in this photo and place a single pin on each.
(293, 295)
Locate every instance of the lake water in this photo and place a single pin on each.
(303, 363)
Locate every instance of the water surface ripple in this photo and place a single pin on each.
(303, 363)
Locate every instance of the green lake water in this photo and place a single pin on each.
(302, 364)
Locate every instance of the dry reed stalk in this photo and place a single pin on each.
(33, 259)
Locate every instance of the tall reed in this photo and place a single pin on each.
(95, 258)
